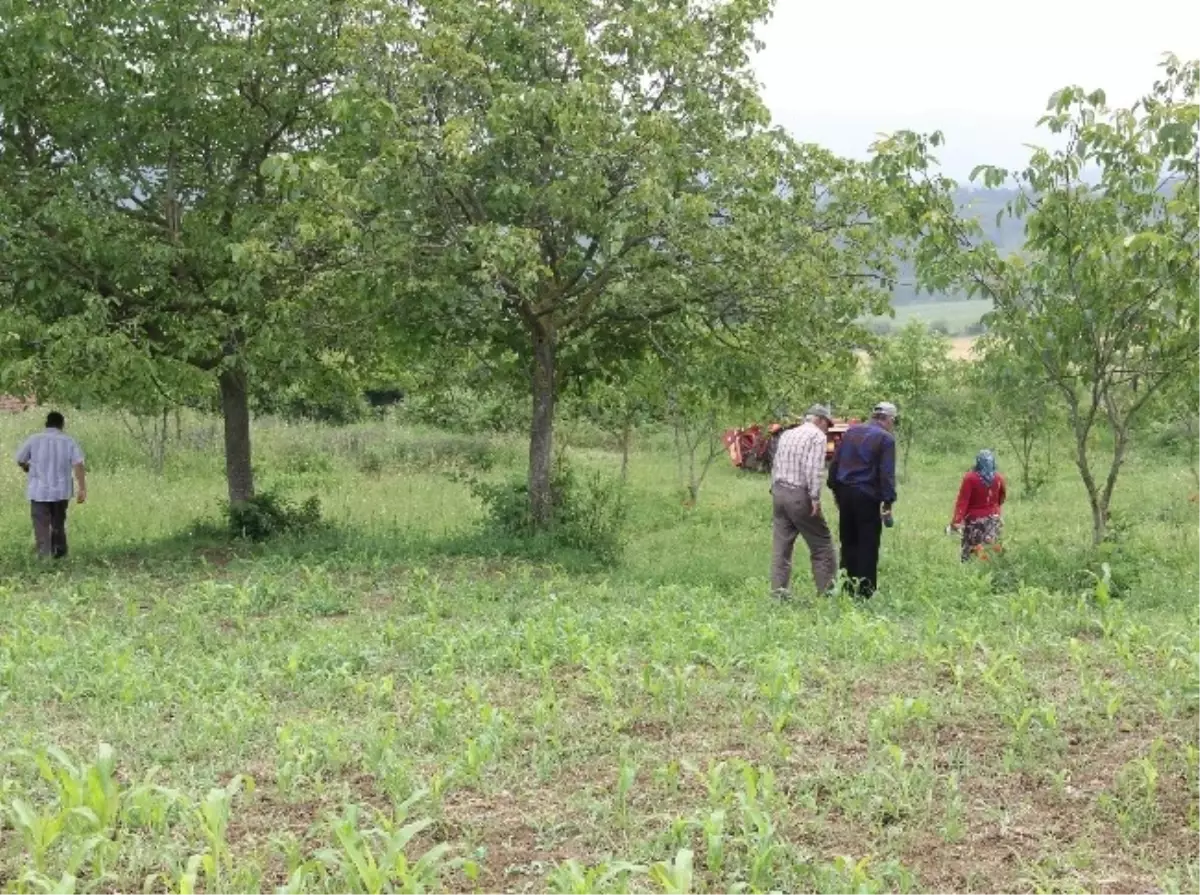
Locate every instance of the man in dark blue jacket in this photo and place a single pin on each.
(862, 477)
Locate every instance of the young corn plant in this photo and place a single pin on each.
(845, 874)
(213, 814)
(376, 860)
(626, 778)
(713, 827)
(81, 821)
(674, 877)
(1133, 801)
(891, 721)
(32, 881)
(573, 878)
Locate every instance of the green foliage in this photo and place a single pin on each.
(1023, 409)
(913, 370)
(575, 208)
(151, 258)
(1119, 561)
(590, 511)
(1104, 295)
(269, 514)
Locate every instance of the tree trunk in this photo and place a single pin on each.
(1191, 433)
(541, 432)
(1095, 498)
(1121, 444)
(235, 408)
(626, 441)
(1028, 443)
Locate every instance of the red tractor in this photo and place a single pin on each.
(753, 448)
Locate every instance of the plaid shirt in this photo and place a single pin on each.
(800, 459)
(51, 456)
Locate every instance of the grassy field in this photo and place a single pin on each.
(956, 316)
(399, 704)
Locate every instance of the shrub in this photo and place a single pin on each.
(269, 514)
(589, 512)
(1071, 571)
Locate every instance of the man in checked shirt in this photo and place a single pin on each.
(796, 475)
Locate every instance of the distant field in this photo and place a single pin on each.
(960, 347)
(955, 315)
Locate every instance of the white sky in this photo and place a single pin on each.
(839, 72)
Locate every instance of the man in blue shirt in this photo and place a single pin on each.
(862, 477)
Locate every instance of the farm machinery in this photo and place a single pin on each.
(753, 447)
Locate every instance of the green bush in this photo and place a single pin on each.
(269, 514)
(589, 512)
(1071, 571)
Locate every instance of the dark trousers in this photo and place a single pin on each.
(50, 527)
(859, 529)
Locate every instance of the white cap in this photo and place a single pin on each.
(885, 408)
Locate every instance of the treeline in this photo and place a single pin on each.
(259, 206)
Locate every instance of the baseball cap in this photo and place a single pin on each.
(819, 410)
(885, 408)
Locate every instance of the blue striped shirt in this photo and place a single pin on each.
(51, 456)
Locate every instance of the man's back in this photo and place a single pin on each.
(865, 459)
(51, 456)
(800, 457)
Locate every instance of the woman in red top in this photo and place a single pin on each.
(977, 512)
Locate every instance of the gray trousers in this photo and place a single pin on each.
(793, 516)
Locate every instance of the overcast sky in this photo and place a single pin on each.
(838, 72)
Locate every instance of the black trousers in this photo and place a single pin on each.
(50, 527)
(859, 529)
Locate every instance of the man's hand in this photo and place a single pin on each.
(24, 467)
(816, 508)
(81, 496)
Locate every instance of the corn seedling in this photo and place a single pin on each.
(375, 860)
(573, 878)
(673, 877)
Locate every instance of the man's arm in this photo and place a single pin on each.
(813, 464)
(80, 473)
(80, 482)
(831, 479)
(23, 456)
(960, 505)
(887, 471)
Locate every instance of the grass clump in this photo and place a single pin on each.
(269, 514)
(589, 511)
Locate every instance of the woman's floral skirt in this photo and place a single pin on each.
(981, 538)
